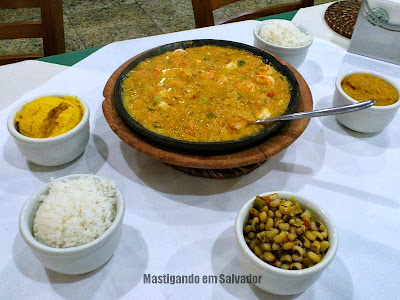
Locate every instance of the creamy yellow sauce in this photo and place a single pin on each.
(365, 86)
(204, 94)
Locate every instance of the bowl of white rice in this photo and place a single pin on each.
(74, 223)
(286, 39)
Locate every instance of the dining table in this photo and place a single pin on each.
(176, 224)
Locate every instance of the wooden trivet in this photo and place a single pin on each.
(218, 173)
(341, 16)
(211, 166)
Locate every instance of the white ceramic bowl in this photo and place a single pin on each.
(74, 260)
(372, 119)
(293, 55)
(275, 280)
(56, 150)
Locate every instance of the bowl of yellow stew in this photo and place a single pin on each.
(356, 86)
(286, 240)
(201, 96)
(50, 130)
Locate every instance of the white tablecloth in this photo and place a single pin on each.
(313, 18)
(180, 225)
(19, 78)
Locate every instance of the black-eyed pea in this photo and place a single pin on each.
(254, 212)
(299, 250)
(265, 209)
(297, 257)
(324, 246)
(311, 236)
(277, 222)
(283, 226)
(318, 235)
(306, 243)
(247, 240)
(271, 214)
(258, 251)
(269, 224)
(292, 236)
(256, 220)
(252, 244)
(278, 239)
(251, 235)
(313, 226)
(270, 234)
(247, 229)
(266, 246)
(278, 214)
(324, 234)
(286, 258)
(263, 217)
(275, 247)
(315, 246)
(260, 235)
(295, 266)
(261, 226)
(268, 256)
(314, 257)
(285, 266)
(320, 226)
(278, 264)
(288, 245)
(298, 243)
(299, 231)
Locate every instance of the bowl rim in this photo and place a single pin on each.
(302, 28)
(27, 234)
(304, 202)
(383, 108)
(206, 148)
(79, 127)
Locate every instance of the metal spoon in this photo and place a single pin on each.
(321, 112)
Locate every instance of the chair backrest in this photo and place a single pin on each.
(203, 11)
(50, 28)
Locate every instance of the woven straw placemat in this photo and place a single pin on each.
(341, 16)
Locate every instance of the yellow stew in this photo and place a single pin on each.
(204, 94)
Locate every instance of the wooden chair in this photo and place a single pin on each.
(50, 28)
(203, 11)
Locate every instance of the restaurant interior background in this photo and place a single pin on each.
(90, 23)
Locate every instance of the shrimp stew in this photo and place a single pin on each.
(204, 94)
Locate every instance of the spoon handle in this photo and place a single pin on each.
(320, 113)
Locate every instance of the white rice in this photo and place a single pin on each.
(283, 33)
(75, 212)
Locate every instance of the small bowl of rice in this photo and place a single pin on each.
(74, 223)
(286, 39)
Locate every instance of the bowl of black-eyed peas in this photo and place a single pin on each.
(286, 240)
